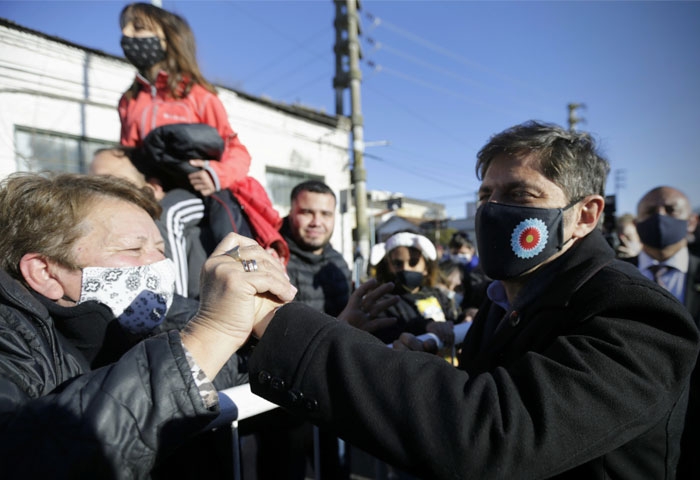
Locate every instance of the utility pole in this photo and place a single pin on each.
(573, 119)
(348, 75)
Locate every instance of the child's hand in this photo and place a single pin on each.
(201, 181)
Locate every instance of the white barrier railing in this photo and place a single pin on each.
(238, 403)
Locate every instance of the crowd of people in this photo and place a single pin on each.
(130, 295)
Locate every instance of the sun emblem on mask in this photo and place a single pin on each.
(529, 238)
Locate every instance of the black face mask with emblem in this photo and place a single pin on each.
(514, 239)
(143, 52)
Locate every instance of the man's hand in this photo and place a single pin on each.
(628, 248)
(443, 330)
(367, 304)
(201, 181)
(408, 341)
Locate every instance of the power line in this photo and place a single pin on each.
(323, 76)
(297, 45)
(287, 53)
(417, 116)
(421, 173)
(285, 76)
(426, 84)
(379, 22)
(381, 46)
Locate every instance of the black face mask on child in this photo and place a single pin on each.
(408, 280)
(513, 239)
(143, 52)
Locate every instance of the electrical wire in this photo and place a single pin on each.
(297, 46)
(381, 46)
(447, 91)
(425, 174)
(380, 22)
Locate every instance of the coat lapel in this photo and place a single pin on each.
(692, 289)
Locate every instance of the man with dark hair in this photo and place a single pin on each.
(319, 272)
(575, 367)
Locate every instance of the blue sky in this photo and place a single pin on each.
(440, 77)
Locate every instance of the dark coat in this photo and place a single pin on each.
(244, 207)
(408, 317)
(586, 382)
(690, 448)
(323, 281)
(62, 418)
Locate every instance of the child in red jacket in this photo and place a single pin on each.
(169, 88)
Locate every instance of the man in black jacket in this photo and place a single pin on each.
(86, 389)
(575, 367)
(319, 272)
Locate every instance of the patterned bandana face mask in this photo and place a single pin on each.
(139, 297)
(142, 52)
(514, 239)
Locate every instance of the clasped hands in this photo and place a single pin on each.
(235, 303)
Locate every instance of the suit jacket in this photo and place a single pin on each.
(692, 286)
(689, 466)
(692, 289)
(587, 381)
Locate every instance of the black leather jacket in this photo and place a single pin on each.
(62, 418)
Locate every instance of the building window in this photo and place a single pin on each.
(280, 183)
(40, 150)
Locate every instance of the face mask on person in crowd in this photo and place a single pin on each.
(408, 280)
(143, 52)
(461, 258)
(660, 231)
(139, 297)
(513, 239)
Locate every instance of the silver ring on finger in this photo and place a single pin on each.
(250, 265)
(233, 253)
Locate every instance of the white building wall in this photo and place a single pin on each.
(48, 85)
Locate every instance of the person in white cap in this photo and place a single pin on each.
(409, 261)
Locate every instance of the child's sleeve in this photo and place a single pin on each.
(235, 161)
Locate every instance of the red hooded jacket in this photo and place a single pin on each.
(154, 106)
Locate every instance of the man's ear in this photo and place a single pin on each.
(589, 215)
(37, 272)
(157, 187)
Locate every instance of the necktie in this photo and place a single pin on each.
(658, 271)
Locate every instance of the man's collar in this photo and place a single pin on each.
(679, 260)
(571, 270)
(497, 294)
